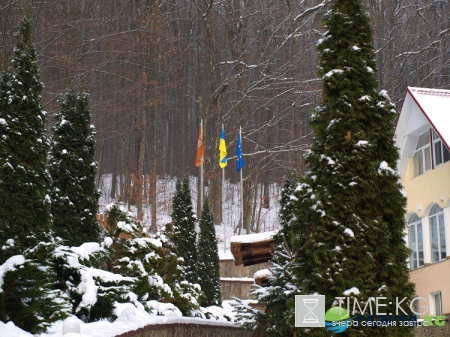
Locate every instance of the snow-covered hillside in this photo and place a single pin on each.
(267, 219)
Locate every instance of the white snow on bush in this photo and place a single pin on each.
(164, 309)
(349, 232)
(143, 242)
(353, 290)
(89, 289)
(365, 98)
(86, 249)
(362, 143)
(108, 242)
(384, 168)
(332, 72)
(10, 265)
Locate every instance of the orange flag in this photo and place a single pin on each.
(200, 148)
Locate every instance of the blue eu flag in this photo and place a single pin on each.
(239, 154)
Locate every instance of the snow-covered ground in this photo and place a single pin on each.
(129, 317)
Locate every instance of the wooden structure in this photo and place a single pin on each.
(252, 249)
(262, 277)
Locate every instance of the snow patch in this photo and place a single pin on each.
(10, 265)
(164, 309)
(249, 238)
(349, 232)
(262, 273)
(384, 168)
(365, 98)
(353, 290)
(362, 143)
(332, 72)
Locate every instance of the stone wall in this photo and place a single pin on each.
(434, 331)
(188, 330)
(237, 281)
(236, 288)
(228, 269)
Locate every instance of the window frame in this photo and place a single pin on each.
(427, 154)
(437, 142)
(436, 302)
(435, 216)
(420, 166)
(417, 257)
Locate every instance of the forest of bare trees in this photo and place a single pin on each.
(154, 69)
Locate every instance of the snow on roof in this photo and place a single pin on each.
(250, 238)
(422, 108)
(435, 105)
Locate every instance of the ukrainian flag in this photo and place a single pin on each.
(222, 150)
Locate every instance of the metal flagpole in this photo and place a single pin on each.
(201, 171)
(242, 188)
(223, 222)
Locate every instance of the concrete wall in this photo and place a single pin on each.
(428, 188)
(429, 279)
(423, 192)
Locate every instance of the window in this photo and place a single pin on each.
(437, 226)
(436, 303)
(430, 152)
(422, 156)
(440, 152)
(415, 242)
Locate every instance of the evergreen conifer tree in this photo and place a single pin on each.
(73, 169)
(182, 236)
(24, 204)
(29, 292)
(350, 214)
(277, 318)
(208, 259)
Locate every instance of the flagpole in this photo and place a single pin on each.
(223, 222)
(242, 189)
(201, 173)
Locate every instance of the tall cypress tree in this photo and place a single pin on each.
(24, 203)
(182, 235)
(72, 168)
(208, 259)
(350, 214)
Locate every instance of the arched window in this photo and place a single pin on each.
(415, 242)
(437, 229)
